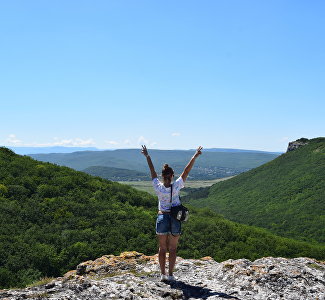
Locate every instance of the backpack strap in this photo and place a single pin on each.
(171, 200)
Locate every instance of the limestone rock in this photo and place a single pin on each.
(133, 275)
(296, 144)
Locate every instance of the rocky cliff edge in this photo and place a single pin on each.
(133, 275)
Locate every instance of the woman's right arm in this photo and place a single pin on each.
(191, 163)
(144, 151)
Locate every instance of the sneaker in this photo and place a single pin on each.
(163, 277)
(171, 278)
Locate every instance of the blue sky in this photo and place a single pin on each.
(171, 74)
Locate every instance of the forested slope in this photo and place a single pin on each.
(286, 195)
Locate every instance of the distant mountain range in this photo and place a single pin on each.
(210, 165)
(237, 150)
(55, 149)
(286, 195)
(62, 149)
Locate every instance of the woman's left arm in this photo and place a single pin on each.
(191, 163)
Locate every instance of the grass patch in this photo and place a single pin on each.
(42, 281)
(315, 266)
(38, 296)
(198, 263)
(102, 276)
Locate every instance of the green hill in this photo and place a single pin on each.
(52, 218)
(211, 165)
(117, 174)
(286, 195)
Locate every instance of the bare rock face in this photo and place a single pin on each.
(296, 144)
(134, 275)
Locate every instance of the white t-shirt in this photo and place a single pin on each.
(163, 193)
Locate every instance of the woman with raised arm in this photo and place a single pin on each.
(168, 229)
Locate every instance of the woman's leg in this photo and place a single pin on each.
(162, 252)
(172, 247)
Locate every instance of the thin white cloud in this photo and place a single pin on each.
(176, 134)
(12, 140)
(112, 143)
(127, 142)
(142, 141)
(72, 142)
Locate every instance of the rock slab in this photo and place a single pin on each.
(133, 275)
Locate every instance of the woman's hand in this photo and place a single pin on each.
(144, 150)
(198, 152)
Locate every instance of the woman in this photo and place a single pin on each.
(168, 229)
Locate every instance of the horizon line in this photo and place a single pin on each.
(136, 148)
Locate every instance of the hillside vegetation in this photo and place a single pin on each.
(52, 218)
(211, 165)
(286, 195)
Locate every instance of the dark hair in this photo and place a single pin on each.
(167, 170)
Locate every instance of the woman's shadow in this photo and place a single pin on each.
(198, 292)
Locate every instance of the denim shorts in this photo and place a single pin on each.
(166, 224)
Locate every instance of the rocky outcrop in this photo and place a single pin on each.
(134, 275)
(296, 144)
